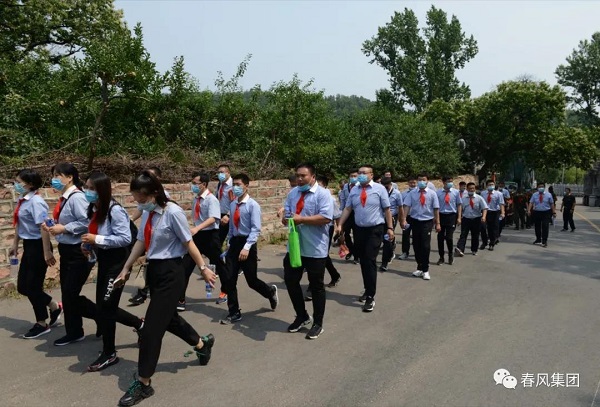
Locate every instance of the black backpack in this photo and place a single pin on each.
(132, 227)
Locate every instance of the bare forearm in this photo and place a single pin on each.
(136, 252)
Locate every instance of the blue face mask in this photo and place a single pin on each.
(20, 189)
(222, 176)
(449, 185)
(353, 180)
(422, 184)
(238, 191)
(91, 196)
(490, 188)
(57, 184)
(195, 189)
(148, 206)
(304, 188)
(541, 190)
(362, 178)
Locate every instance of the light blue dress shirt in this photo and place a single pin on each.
(395, 200)
(344, 194)
(505, 193)
(422, 212)
(209, 208)
(250, 221)
(452, 206)
(496, 202)
(372, 213)
(226, 196)
(546, 203)
(314, 240)
(170, 232)
(32, 213)
(73, 217)
(479, 205)
(114, 232)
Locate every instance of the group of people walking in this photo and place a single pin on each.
(91, 227)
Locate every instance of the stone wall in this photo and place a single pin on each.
(270, 194)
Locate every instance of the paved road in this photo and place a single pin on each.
(437, 343)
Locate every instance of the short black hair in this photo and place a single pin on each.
(446, 178)
(412, 178)
(541, 183)
(352, 171)
(471, 183)
(462, 183)
(309, 167)
(323, 180)
(423, 175)
(369, 166)
(566, 189)
(224, 166)
(242, 177)
(204, 177)
(490, 181)
(31, 177)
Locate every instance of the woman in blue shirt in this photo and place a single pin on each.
(71, 221)
(109, 236)
(165, 236)
(29, 215)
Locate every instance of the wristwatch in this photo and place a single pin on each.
(390, 229)
(203, 267)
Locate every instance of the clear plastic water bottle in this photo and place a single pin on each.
(14, 267)
(92, 254)
(208, 287)
(223, 255)
(386, 237)
(50, 222)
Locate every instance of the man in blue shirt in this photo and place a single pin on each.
(224, 194)
(423, 206)
(495, 213)
(541, 208)
(412, 184)
(450, 212)
(350, 224)
(396, 208)
(311, 207)
(242, 253)
(370, 204)
(474, 211)
(506, 194)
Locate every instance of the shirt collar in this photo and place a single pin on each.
(243, 200)
(29, 195)
(69, 191)
(314, 188)
(371, 183)
(205, 193)
(158, 209)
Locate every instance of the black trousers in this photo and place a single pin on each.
(223, 231)
(473, 226)
(32, 274)
(406, 236)
(333, 273)
(367, 243)
(422, 242)
(108, 313)
(166, 279)
(489, 231)
(541, 221)
(350, 227)
(501, 224)
(568, 219)
(519, 217)
(209, 245)
(74, 272)
(250, 267)
(315, 268)
(448, 225)
(388, 245)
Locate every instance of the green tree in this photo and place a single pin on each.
(581, 74)
(421, 64)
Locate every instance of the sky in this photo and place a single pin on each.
(321, 40)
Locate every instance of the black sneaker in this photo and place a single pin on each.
(67, 339)
(138, 331)
(369, 304)
(564, 230)
(451, 260)
(334, 283)
(356, 260)
(440, 262)
(37, 331)
(136, 392)
(537, 242)
(181, 306)
(348, 257)
(206, 351)
(314, 332)
(483, 246)
(55, 315)
(491, 248)
(308, 295)
(544, 245)
(231, 318)
(274, 300)
(138, 299)
(362, 298)
(103, 362)
(458, 252)
(299, 323)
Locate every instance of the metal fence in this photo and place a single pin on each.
(559, 189)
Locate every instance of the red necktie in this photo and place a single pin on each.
(236, 216)
(447, 198)
(197, 209)
(300, 204)
(16, 214)
(541, 197)
(221, 189)
(363, 197)
(471, 202)
(422, 198)
(489, 197)
(461, 194)
(148, 231)
(93, 228)
(57, 209)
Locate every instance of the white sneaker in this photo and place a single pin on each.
(392, 259)
(426, 276)
(403, 256)
(418, 273)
